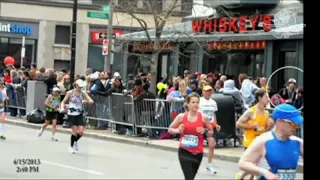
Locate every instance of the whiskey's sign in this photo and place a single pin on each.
(233, 24)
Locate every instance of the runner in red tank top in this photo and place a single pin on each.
(191, 125)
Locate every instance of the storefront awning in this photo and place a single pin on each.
(183, 33)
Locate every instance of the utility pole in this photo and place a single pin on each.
(107, 59)
(73, 40)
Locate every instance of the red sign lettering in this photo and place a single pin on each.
(98, 36)
(236, 45)
(233, 24)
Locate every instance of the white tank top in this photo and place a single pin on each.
(75, 104)
(208, 107)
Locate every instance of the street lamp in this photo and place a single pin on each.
(73, 39)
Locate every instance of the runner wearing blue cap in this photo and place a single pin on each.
(276, 152)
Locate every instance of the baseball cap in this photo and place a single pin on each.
(55, 89)
(80, 83)
(207, 88)
(292, 80)
(289, 112)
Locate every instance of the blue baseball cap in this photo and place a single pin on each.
(289, 112)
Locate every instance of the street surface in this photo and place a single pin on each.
(96, 159)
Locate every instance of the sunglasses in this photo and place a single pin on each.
(291, 123)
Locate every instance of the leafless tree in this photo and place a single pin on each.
(160, 17)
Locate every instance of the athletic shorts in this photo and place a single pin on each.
(214, 132)
(51, 116)
(77, 120)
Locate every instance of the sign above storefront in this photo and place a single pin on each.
(236, 45)
(16, 29)
(233, 24)
(149, 46)
(98, 36)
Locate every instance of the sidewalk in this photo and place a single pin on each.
(225, 154)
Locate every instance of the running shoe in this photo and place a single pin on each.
(75, 146)
(210, 169)
(2, 137)
(40, 132)
(71, 150)
(238, 176)
(54, 138)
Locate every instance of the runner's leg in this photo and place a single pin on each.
(54, 129)
(3, 125)
(212, 143)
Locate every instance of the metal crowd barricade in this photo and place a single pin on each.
(115, 109)
(154, 113)
(16, 98)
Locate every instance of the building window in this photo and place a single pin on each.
(100, 2)
(61, 65)
(186, 6)
(62, 35)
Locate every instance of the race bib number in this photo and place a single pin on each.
(190, 141)
(261, 128)
(286, 174)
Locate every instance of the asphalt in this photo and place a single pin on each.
(96, 159)
(225, 154)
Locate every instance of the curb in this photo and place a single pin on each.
(131, 141)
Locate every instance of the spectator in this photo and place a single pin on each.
(50, 80)
(288, 93)
(299, 100)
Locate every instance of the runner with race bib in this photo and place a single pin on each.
(191, 125)
(277, 149)
(209, 107)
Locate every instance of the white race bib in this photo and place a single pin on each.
(286, 174)
(190, 141)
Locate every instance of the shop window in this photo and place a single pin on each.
(62, 35)
(15, 51)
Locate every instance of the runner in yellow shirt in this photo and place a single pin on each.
(255, 121)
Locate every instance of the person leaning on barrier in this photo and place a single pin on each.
(146, 94)
(117, 87)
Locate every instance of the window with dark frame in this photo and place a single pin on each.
(62, 35)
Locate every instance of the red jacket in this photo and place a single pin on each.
(7, 78)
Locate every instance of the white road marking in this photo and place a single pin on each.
(70, 167)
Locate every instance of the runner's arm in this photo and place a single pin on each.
(206, 121)
(251, 157)
(245, 117)
(269, 123)
(88, 99)
(47, 101)
(173, 128)
(65, 99)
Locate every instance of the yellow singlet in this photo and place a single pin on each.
(251, 134)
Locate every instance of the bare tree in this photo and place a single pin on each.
(160, 17)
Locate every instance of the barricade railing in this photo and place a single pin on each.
(115, 109)
(122, 109)
(16, 98)
(156, 113)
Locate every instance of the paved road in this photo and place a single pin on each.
(96, 159)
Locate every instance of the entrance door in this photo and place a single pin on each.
(286, 58)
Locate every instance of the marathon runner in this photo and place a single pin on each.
(3, 97)
(254, 122)
(276, 151)
(191, 125)
(208, 107)
(76, 98)
(52, 111)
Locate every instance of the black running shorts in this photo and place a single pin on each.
(76, 120)
(51, 116)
